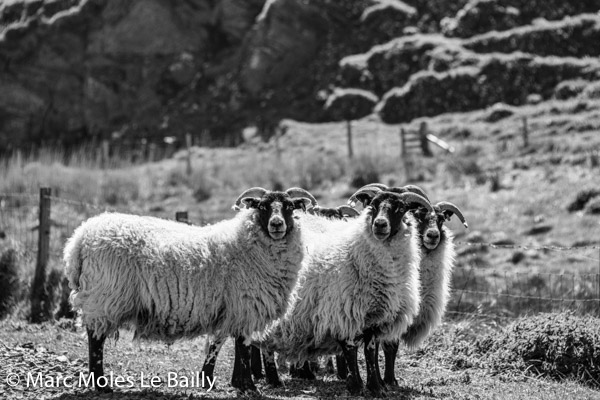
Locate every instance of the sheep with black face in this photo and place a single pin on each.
(437, 262)
(171, 280)
(354, 281)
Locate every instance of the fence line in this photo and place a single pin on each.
(478, 291)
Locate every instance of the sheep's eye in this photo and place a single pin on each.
(262, 207)
(289, 207)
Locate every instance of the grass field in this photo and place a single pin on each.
(434, 374)
(505, 189)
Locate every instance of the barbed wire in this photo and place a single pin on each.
(527, 247)
(497, 294)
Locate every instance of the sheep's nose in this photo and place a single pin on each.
(380, 223)
(277, 223)
(432, 234)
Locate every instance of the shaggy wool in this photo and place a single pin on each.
(171, 280)
(350, 281)
(435, 274)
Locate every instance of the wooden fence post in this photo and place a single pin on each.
(423, 129)
(349, 134)
(38, 290)
(188, 159)
(404, 155)
(182, 216)
(525, 133)
(402, 144)
(278, 134)
(105, 153)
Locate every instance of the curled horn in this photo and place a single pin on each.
(299, 192)
(445, 205)
(415, 198)
(370, 190)
(349, 211)
(415, 189)
(258, 191)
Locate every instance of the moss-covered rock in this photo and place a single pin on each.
(391, 64)
(571, 37)
(498, 78)
(480, 16)
(350, 104)
(569, 89)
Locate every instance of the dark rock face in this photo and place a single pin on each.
(73, 70)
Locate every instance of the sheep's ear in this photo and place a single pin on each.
(447, 215)
(301, 203)
(251, 202)
(364, 198)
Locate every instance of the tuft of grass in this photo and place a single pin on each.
(561, 346)
(582, 198)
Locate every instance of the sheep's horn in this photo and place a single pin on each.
(415, 189)
(349, 211)
(410, 197)
(445, 205)
(369, 190)
(299, 192)
(377, 185)
(258, 191)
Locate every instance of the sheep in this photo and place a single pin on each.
(170, 280)
(357, 280)
(437, 262)
(317, 219)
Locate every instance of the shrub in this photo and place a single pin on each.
(365, 171)
(559, 346)
(571, 88)
(593, 207)
(582, 198)
(9, 279)
(119, 188)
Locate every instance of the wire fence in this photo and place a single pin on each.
(522, 286)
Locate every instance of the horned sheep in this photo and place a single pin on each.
(170, 280)
(358, 279)
(437, 262)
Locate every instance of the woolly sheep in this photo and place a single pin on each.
(317, 219)
(171, 280)
(358, 276)
(437, 261)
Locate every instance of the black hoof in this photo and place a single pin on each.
(274, 383)
(378, 393)
(391, 382)
(354, 386)
(105, 389)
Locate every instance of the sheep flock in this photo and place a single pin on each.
(284, 277)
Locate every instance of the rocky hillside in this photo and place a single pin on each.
(74, 70)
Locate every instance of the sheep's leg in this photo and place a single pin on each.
(329, 367)
(271, 375)
(96, 361)
(342, 368)
(211, 359)
(242, 373)
(256, 363)
(354, 383)
(377, 369)
(373, 382)
(302, 372)
(390, 350)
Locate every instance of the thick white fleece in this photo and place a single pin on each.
(172, 280)
(435, 275)
(350, 281)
